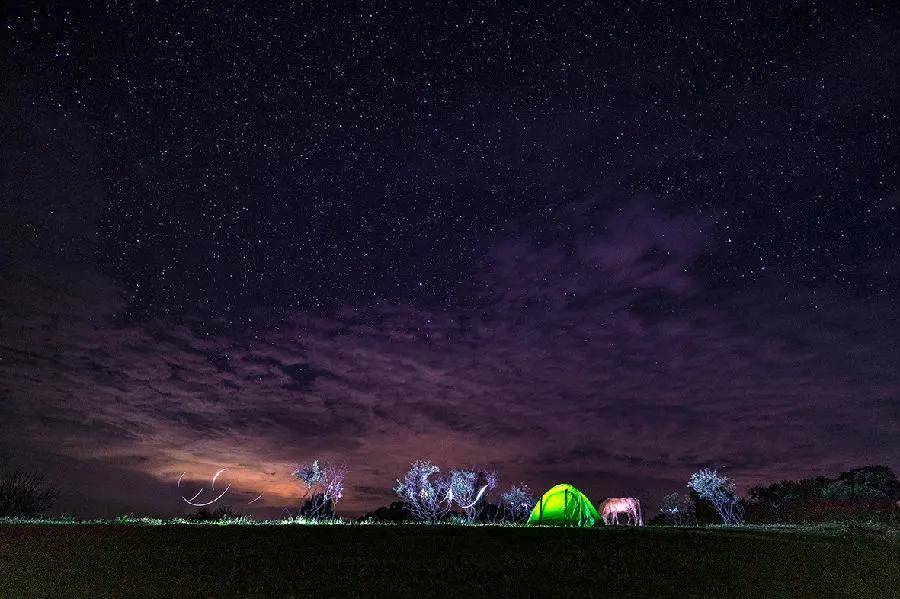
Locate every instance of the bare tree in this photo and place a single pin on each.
(467, 489)
(425, 492)
(24, 494)
(324, 487)
(719, 491)
(517, 502)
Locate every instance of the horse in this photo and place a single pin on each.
(612, 507)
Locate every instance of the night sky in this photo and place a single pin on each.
(605, 245)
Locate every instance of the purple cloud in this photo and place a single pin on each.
(555, 371)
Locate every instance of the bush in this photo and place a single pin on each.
(220, 513)
(398, 511)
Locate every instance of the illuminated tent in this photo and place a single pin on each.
(564, 505)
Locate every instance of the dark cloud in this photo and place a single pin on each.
(302, 375)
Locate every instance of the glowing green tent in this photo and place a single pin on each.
(564, 505)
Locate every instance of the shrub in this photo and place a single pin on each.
(220, 513)
(398, 511)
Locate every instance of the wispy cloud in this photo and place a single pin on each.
(556, 370)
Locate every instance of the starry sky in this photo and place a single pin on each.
(604, 243)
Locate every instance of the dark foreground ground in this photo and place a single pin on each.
(409, 561)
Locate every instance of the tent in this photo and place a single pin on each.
(564, 505)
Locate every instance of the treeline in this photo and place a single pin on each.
(869, 494)
(469, 495)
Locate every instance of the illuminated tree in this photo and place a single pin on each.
(517, 502)
(467, 489)
(425, 492)
(324, 487)
(719, 491)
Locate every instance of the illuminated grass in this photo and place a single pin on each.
(834, 529)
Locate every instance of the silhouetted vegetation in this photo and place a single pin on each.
(316, 506)
(221, 513)
(866, 494)
(25, 494)
(398, 511)
(860, 494)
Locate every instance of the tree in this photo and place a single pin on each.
(774, 502)
(678, 509)
(24, 494)
(425, 492)
(324, 487)
(788, 491)
(467, 489)
(873, 483)
(517, 502)
(719, 491)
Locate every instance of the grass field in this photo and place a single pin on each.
(423, 561)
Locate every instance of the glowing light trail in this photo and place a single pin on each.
(213, 487)
(221, 495)
(216, 475)
(477, 497)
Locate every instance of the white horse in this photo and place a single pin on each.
(612, 507)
